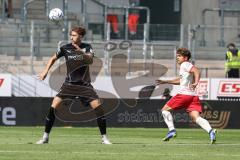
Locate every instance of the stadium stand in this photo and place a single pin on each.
(15, 44)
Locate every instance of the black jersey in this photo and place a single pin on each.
(77, 70)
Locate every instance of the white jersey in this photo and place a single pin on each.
(186, 79)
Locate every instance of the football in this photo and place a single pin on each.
(56, 15)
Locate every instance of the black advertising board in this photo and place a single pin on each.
(19, 111)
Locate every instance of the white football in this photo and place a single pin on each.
(56, 14)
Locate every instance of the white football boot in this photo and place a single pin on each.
(105, 139)
(42, 141)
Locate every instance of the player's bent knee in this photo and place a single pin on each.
(194, 115)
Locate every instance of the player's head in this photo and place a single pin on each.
(231, 46)
(183, 54)
(77, 33)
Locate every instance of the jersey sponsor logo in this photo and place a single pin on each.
(1, 81)
(229, 88)
(76, 57)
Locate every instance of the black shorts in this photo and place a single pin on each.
(84, 92)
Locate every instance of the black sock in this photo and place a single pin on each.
(101, 120)
(49, 120)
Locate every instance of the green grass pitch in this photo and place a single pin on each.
(128, 144)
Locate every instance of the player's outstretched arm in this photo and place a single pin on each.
(173, 81)
(44, 73)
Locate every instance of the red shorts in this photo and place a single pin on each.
(188, 102)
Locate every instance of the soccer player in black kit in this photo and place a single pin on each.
(78, 54)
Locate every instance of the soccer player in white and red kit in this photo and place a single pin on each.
(186, 97)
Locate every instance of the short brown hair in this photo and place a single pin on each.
(80, 30)
(231, 45)
(184, 52)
